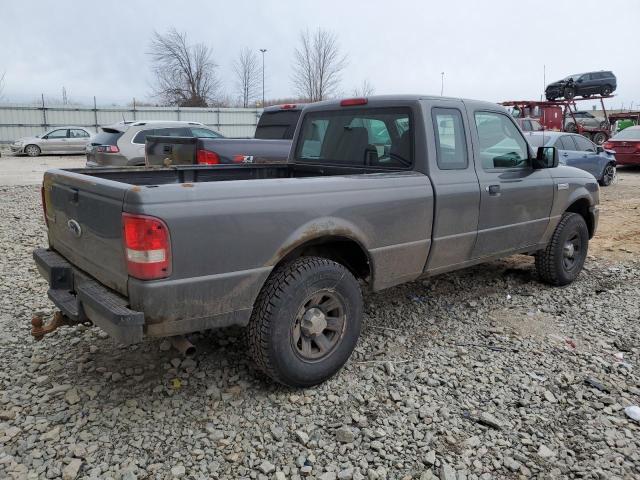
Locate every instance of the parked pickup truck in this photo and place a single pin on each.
(271, 143)
(376, 192)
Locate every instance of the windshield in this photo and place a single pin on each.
(572, 77)
(628, 134)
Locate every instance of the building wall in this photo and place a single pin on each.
(27, 120)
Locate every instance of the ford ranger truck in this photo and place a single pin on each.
(376, 192)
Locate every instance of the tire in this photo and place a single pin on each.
(586, 95)
(569, 93)
(606, 90)
(599, 138)
(32, 150)
(608, 175)
(562, 259)
(290, 316)
(551, 98)
(570, 127)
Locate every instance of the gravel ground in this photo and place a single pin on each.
(484, 373)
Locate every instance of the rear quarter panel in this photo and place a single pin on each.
(226, 237)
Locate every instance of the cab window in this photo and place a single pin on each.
(501, 143)
(57, 134)
(583, 144)
(451, 147)
(373, 137)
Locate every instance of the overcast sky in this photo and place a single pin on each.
(490, 50)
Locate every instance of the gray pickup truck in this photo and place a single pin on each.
(376, 192)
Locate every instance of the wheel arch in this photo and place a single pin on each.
(581, 206)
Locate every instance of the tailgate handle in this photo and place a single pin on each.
(167, 148)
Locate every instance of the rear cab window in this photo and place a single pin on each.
(451, 146)
(277, 125)
(372, 137)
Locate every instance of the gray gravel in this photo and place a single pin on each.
(484, 373)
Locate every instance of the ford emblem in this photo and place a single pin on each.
(74, 228)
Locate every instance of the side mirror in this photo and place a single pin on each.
(546, 157)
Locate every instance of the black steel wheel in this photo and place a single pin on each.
(562, 260)
(305, 322)
(608, 175)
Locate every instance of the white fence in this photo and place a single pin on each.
(26, 120)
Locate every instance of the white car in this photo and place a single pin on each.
(59, 140)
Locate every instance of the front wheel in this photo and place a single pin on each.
(608, 175)
(563, 258)
(606, 90)
(32, 150)
(306, 322)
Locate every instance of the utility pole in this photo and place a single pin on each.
(263, 50)
(442, 83)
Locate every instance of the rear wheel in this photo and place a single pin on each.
(570, 127)
(608, 175)
(306, 322)
(569, 93)
(563, 258)
(586, 95)
(606, 90)
(599, 138)
(32, 150)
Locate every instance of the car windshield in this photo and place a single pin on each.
(572, 77)
(628, 134)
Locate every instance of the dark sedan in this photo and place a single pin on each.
(626, 145)
(580, 152)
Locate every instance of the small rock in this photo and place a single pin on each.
(327, 476)
(267, 467)
(70, 472)
(178, 471)
(549, 397)
(345, 435)
(545, 452)
(302, 437)
(430, 457)
(490, 421)
(447, 472)
(633, 412)
(346, 474)
(72, 397)
(165, 346)
(280, 476)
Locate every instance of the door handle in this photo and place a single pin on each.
(493, 189)
(565, 154)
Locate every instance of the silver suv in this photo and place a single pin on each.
(122, 144)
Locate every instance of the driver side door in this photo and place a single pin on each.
(55, 141)
(515, 199)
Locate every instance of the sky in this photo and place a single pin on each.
(492, 50)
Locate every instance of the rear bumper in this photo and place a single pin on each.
(81, 298)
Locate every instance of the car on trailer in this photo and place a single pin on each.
(583, 85)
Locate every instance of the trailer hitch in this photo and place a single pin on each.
(39, 329)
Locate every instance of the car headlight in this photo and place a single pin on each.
(18, 143)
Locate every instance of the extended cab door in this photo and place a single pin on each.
(455, 185)
(515, 199)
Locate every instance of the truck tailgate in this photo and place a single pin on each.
(84, 216)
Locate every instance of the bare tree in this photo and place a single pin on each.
(317, 65)
(247, 72)
(185, 74)
(364, 90)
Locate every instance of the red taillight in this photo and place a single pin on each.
(288, 106)
(205, 157)
(607, 145)
(239, 158)
(348, 102)
(108, 149)
(147, 248)
(44, 204)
